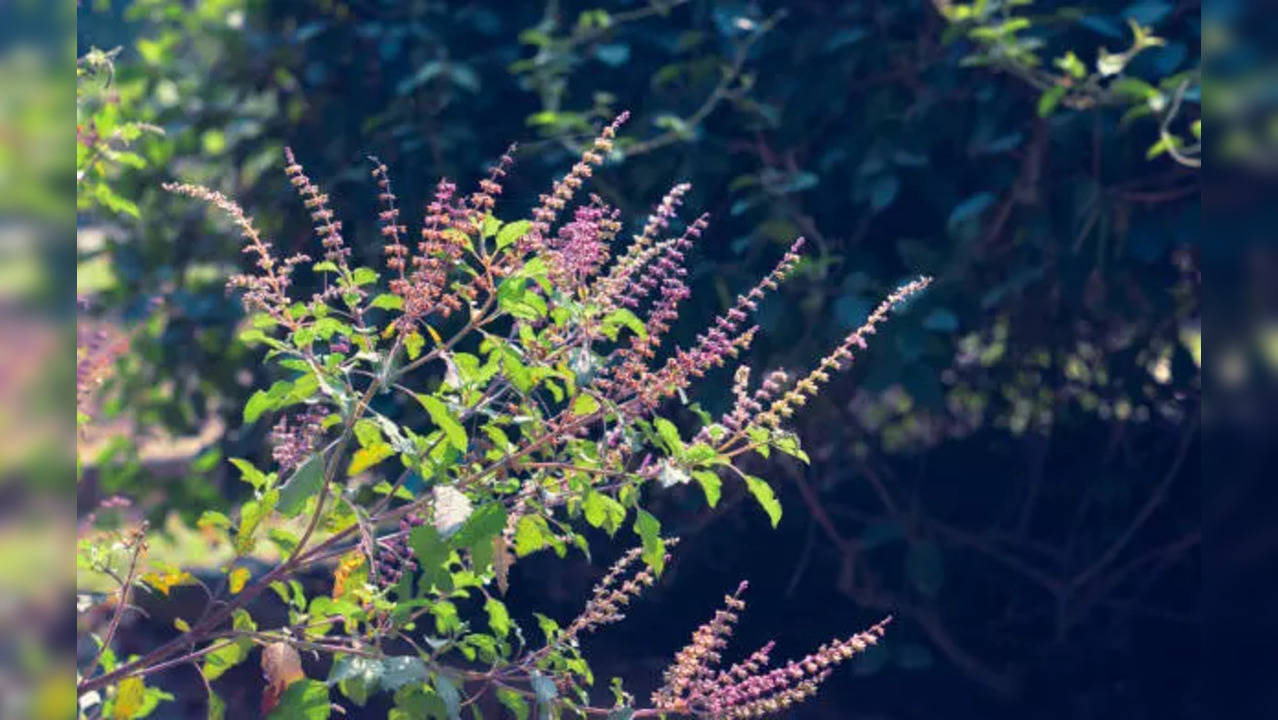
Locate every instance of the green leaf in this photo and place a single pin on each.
(648, 528)
(669, 434)
(584, 404)
(356, 676)
(543, 687)
(511, 232)
(213, 519)
(233, 652)
(483, 524)
(364, 276)
(251, 515)
(413, 344)
(367, 431)
(302, 485)
(514, 297)
(253, 336)
(1050, 98)
(530, 535)
(762, 492)
(1133, 88)
(489, 226)
(1070, 63)
(258, 403)
(445, 421)
(514, 702)
(711, 485)
(604, 512)
(498, 617)
(1165, 143)
(324, 266)
(969, 208)
(303, 700)
(788, 443)
(448, 692)
(925, 567)
(432, 552)
(1108, 63)
(387, 301)
(621, 317)
(249, 473)
(401, 670)
(281, 394)
(518, 373)
(217, 708)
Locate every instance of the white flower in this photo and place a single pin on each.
(671, 475)
(452, 508)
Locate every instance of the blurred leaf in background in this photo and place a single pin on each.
(36, 349)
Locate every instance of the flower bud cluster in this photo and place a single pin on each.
(614, 591)
(748, 692)
(483, 200)
(842, 356)
(747, 689)
(580, 247)
(723, 340)
(750, 404)
(395, 556)
(328, 229)
(691, 675)
(562, 192)
(616, 289)
(438, 253)
(665, 275)
(395, 249)
(294, 439)
(266, 290)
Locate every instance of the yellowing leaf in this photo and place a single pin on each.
(434, 335)
(281, 664)
(129, 696)
(367, 457)
(238, 578)
(282, 667)
(165, 580)
(351, 562)
(413, 343)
